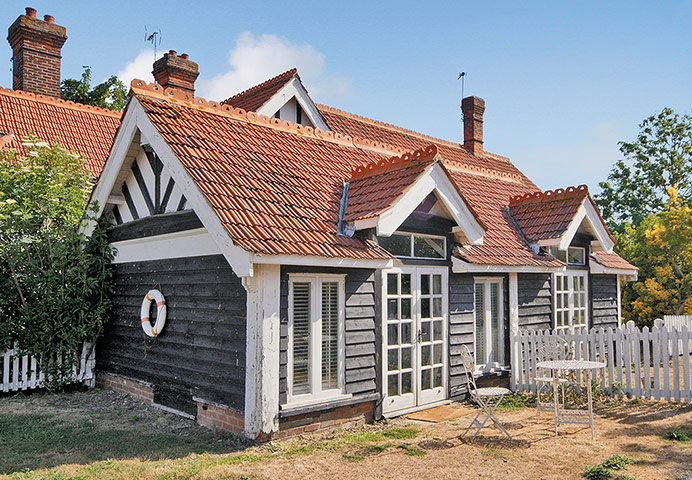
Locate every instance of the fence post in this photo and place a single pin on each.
(646, 363)
(685, 333)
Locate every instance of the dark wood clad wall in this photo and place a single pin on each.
(604, 293)
(535, 301)
(201, 350)
(360, 338)
(460, 328)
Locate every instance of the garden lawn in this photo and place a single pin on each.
(102, 435)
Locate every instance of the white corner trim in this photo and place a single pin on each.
(434, 179)
(513, 302)
(460, 266)
(262, 351)
(188, 243)
(294, 89)
(321, 261)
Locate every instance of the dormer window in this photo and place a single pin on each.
(571, 256)
(415, 245)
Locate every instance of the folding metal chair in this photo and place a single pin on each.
(488, 398)
(551, 349)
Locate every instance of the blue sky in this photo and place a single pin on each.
(563, 81)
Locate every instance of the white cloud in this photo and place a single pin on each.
(255, 59)
(139, 68)
(586, 162)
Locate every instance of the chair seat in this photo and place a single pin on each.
(551, 380)
(490, 391)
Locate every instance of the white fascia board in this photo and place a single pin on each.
(137, 119)
(294, 89)
(188, 243)
(460, 266)
(598, 269)
(434, 179)
(589, 213)
(321, 261)
(116, 157)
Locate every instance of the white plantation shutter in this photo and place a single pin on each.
(301, 337)
(480, 324)
(495, 321)
(330, 335)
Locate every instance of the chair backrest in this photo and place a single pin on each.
(554, 349)
(469, 364)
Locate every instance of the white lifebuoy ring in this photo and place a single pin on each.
(160, 313)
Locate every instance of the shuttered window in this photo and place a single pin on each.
(316, 343)
(489, 339)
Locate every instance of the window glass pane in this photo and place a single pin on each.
(393, 385)
(406, 357)
(392, 283)
(330, 335)
(427, 247)
(393, 334)
(480, 324)
(425, 284)
(559, 254)
(392, 309)
(301, 338)
(405, 308)
(393, 359)
(575, 255)
(406, 284)
(406, 383)
(437, 284)
(398, 245)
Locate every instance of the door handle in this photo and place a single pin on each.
(419, 336)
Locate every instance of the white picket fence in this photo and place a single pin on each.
(648, 363)
(23, 373)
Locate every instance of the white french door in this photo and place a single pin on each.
(415, 337)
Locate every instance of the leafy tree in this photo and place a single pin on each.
(110, 94)
(54, 282)
(661, 246)
(660, 156)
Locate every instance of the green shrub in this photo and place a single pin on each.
(598, 472)
(617, 462)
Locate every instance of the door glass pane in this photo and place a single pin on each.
(437, 353)
(425, 284)
(393, 334)
(301, 337)
(392, 283)
(425, 331)
(405, 308)
(406, 357)
(437, 307)
(406, 386)
(393, 384)
(392, 309)
(437, 330)
(406, 284)
(437, 284)
(425, 355)
(393, 359)
(425, 379)
(437, 382)
(330, 335)
(425, 307)
(406, 332)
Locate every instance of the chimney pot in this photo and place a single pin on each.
(178, 72)
(36, 53)
(473, 109)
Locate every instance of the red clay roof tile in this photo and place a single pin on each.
(612, 260)
(255, 97)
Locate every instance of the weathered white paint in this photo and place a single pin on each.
(460, 266)
(321, 261)
(598, 269)
(513, 301)
(188, 243)
(294, 89)
(262, 351)
(435, 179)
(619, 302)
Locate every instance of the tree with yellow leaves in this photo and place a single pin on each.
(661, 246)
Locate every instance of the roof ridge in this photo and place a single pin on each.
(286, 74)
(60, 102)
(180, 97)
(549, 195)
(418, 157)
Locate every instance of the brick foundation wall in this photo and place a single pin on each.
(139, 390)
(214, 415)
(344, 417)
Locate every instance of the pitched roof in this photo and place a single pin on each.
(255, 97)
(86, 130)
(547, 215)
(612, 260)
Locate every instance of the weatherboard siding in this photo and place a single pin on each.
(604, 301)
(201, 350)
(535, 301)
(360, 333)
(461, 328)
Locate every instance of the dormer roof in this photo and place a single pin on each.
(254, 98)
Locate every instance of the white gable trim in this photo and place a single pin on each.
(188, 243)
(589, 213)
(294, 89)
(301, 260)
(136, 119)
(434, 179)
(460, 266)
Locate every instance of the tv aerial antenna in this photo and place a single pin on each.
(154, 38)
(462, 77)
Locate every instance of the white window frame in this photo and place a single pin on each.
(315, 339)
(412, 245)
(486, 281)
(571, 274)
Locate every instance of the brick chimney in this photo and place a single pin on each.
(174, 71)
(473, 108)
(36, 46)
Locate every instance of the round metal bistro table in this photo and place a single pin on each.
(563, 415)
